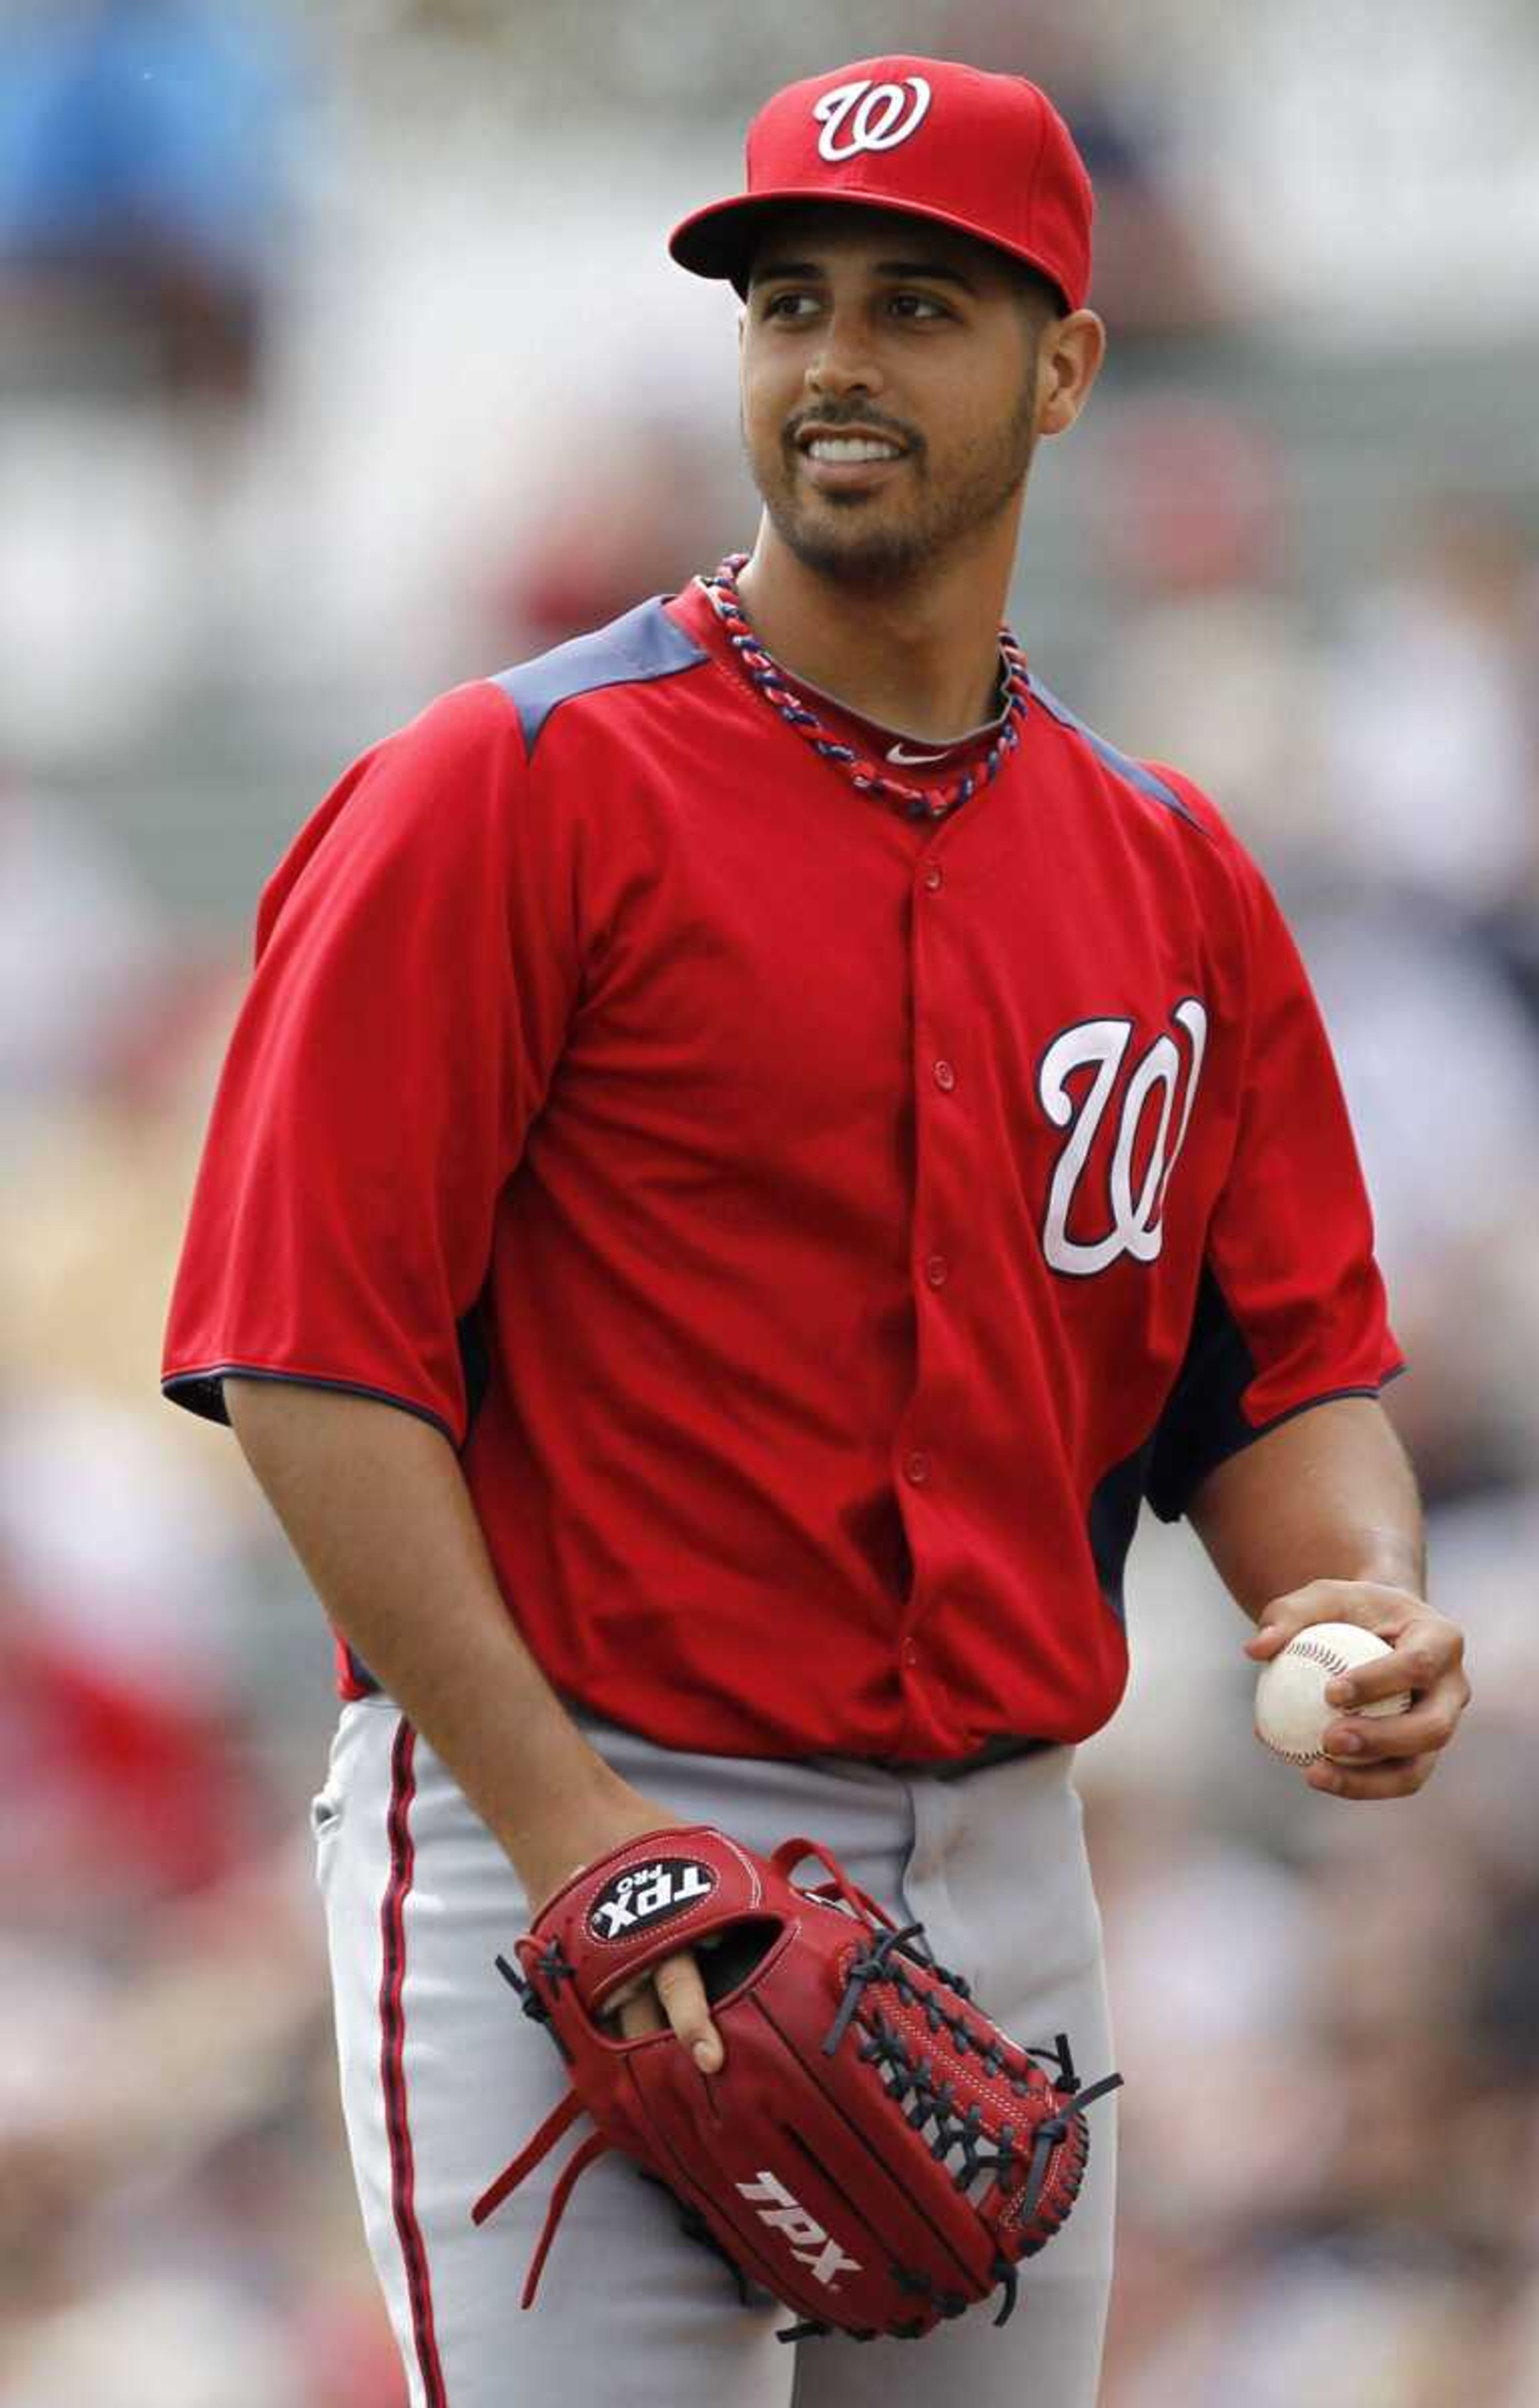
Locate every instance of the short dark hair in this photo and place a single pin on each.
(1039, 297)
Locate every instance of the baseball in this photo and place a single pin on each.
(1291, 1713)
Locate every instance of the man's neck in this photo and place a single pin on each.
(922, 657)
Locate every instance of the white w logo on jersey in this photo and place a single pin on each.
(1136, 1227)
(878, 115)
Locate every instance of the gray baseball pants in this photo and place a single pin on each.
(443, 2081)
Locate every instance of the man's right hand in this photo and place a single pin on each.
(673, 1993)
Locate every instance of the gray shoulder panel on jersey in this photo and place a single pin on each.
(1134, 771)
(643, 645)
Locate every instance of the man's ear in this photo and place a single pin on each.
(1069, 363)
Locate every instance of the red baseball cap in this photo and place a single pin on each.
(987, 154)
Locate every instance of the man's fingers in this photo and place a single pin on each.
(1386, 1741)
(1426, 1650)
(639, 2012)
(679, 1985)
(672, 1994)
(1428, 1664)
(1371, 1604)
(1398, 1776)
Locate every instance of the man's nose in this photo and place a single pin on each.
(844, 362)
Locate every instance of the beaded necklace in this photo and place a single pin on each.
(919, 802)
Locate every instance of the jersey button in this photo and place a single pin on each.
(935, 877)
(916, 1468)
(946, 1077)
(910, 1652)
(936, 1270)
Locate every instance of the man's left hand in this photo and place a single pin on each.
(1388, 1755)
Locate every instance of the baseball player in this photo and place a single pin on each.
(755, 1141)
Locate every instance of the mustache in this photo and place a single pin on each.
(875, 421)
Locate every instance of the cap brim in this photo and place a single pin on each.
(720, 241)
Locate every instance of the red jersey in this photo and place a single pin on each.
(817, 1227)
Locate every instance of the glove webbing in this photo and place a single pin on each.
(913, 2086)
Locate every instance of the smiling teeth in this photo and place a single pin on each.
(850, 447)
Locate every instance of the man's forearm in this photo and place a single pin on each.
(376, 1507)
(1327, 1495)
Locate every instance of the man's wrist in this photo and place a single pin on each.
(1391, 1559)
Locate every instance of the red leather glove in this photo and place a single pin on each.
(874, 2151)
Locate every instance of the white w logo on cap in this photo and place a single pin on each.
(880, 116)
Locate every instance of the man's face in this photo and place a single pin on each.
(889, 375)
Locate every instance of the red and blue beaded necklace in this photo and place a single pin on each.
(766, 680)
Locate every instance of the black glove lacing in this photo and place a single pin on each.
(865, 1970)
(556, 1970)
(925, 2097)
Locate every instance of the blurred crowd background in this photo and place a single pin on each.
(339, 361)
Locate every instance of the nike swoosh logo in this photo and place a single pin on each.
(900, 753)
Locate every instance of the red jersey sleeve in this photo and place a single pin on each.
(411, 992)
(1291, 1307)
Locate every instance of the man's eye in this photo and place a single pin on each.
(917, 304)
(789, 305)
